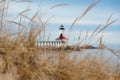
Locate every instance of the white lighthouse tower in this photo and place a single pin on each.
(62, 38)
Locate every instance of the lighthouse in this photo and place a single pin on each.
(61, 37)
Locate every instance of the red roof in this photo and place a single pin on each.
(63, 38)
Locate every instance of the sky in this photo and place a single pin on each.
(70, 10)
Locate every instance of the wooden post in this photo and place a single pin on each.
(49, 43)
(55, 44)
(43, 43)
(52, 43)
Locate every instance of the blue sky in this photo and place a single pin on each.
(67, 14)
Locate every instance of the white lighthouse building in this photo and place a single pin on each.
(61, 37)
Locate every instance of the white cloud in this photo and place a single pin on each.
(81, 22)
(111, 37)
(66, 15)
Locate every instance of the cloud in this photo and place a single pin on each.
(111, 37)
(82, 22)
(67, 15)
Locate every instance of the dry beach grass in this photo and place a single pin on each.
(20, 59)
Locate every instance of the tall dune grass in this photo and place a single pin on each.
(20, 59)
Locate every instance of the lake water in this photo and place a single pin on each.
(99, 53)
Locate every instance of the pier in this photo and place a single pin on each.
(37, 43)
(50, 43)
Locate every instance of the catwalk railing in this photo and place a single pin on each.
(50, 43)
(39, 43)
